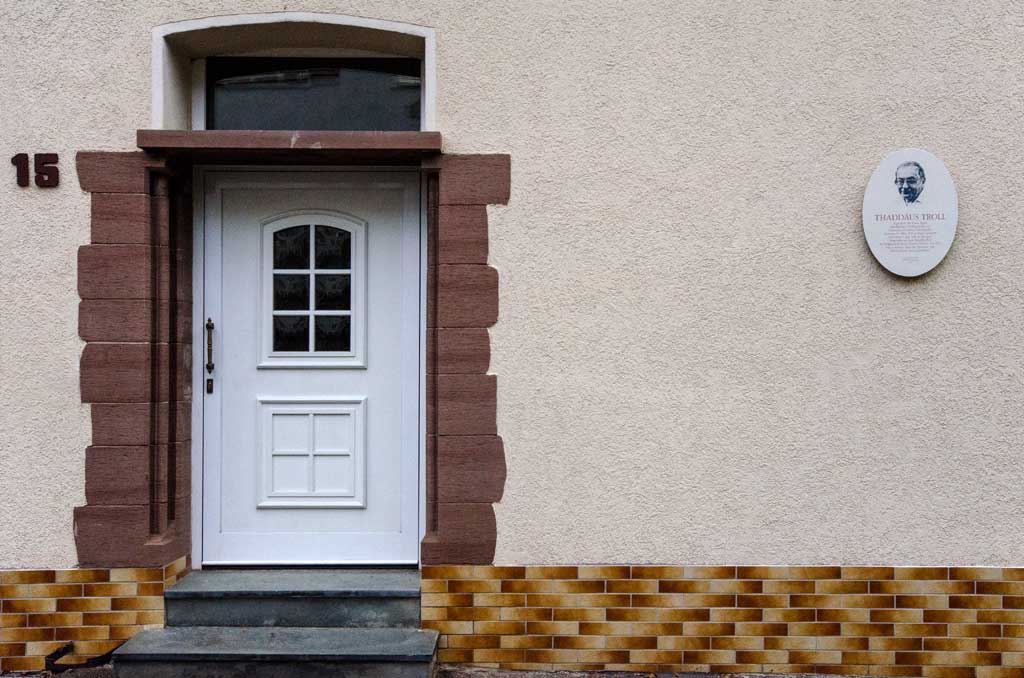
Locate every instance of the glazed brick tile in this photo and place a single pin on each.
(788, 572)
(683, 643)
(692, 614)
(83, 633)
(791, 643)
(974, 630)
(922, 586)
(949, 644)
(735, 615)
(947, 671)
(604, 572)
(552, 572)
(434, 613)
(525, 642)
(870, 573)
(894, 671)
(851, 615)
(901, 616)
(790, 615)
(709, 656)
(921, 572)
(657, 656)
(1000, 588)
(630, 629)
(867, 630)
(600, 600)
(27, 576)
(634, 643)
(502, 628)
(138, 603)
(22, 664)
(525, 614)
(706, 629)
(109, 590)
(635, 586)
(474, 642)
(13, 621)
(499, 599)
(950, 658)
(840, 586)
(109, 618)
(593, 614)
(25, 635)
(924, 602)
(998, 672)
(709, 572)
(842, 643)
(919, 630)
(737, 643)
(815, 629)
(473, 613)
(955, 616)
(658, 572)
(553, 586)
(815, 656)
(32, 605)
(446, 599)
(764, 629)
(554, 656)
(83, 576)
(1001, 644)
(478, 585)
(762, 656)
(996, 616)
(892, 644)
(578, 642)
(12, 649)
(1013, 631)
(434, 586)
(859, 658)
(976, 602)
(685, 600)
(829, 601)
(498, 655)
(55, 619)
(137, 574)
(787, 586)
(764, 600)
(455, 656)
(149, 617)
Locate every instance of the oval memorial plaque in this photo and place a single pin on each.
(910, 212)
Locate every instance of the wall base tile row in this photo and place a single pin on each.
(937, 622)
(96, 610)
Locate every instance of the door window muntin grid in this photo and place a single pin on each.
(314, 316)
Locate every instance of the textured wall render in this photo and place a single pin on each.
(699, 360)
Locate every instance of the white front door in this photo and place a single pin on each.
(311, 408)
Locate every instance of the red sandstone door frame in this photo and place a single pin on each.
(199, 342)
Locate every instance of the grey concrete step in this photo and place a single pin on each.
(223, 652)
(367, 598)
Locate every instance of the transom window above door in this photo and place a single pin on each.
(290, 93)
(314, 277)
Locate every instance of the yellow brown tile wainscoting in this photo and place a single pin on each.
(937, 622)
(41, 611)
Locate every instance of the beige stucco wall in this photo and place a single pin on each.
(698, 359)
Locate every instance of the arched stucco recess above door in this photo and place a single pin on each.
(177, 46)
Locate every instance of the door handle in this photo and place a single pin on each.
(209, 345)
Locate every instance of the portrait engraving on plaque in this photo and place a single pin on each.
(910, 212)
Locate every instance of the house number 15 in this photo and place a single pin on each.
(45, 166)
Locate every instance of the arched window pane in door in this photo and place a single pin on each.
(312, 305)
